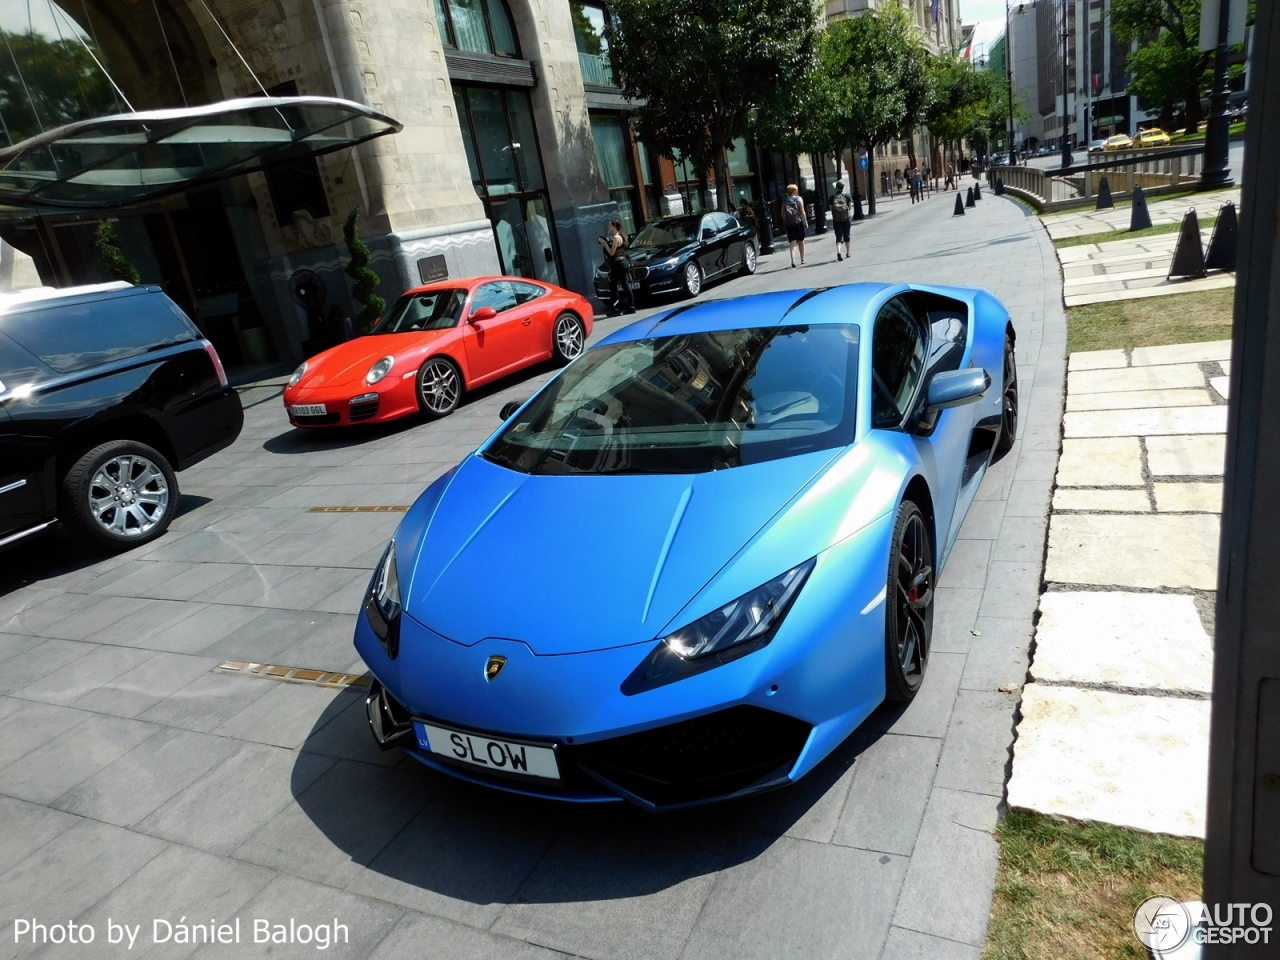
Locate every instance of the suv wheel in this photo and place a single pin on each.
(119, 495)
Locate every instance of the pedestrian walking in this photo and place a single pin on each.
(795, 220)
(884, 183)
(925, 171)
(615, 254)
(951, 176)
(747, 216)
(840, 205)
(917, 185)
(897, 181)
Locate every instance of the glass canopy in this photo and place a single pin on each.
(128, 158)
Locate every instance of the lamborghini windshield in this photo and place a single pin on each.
(691, 403)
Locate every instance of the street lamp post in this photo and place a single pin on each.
(1067, 159)
(1217, 167)
(1008, 70)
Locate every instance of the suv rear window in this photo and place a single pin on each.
(74, 336)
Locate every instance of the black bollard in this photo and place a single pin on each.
(766, 230)
(968, 200)
(1104, 195)
(959, 212)
(999, 187)
(1222, 245)
(1140, 218)
(977, 191)
(857, 203)
(1188, 255)
(820, 217)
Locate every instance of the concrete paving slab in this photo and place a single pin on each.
(25, 827)
(1138, 399)
(284, 717)
(1097, 359)
(1173, 550)
(207, 701)
(27, 726)
(912, 945)
(1163, 421)
(892, 781)
(1155, 286)
(420, 937)
(1182, 456)
(51, 770)
(1182, 353)
(1222, 385)
(977, 747)
(1170, 377)
(1188, 497)
(1102, 501)
(1134, 641)
(1101, 462)
(1133, 761)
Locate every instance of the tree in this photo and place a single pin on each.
(366, 281)
(48, 83)
(702, 67)
(105, 239)
(961, 94)
(1160, 71)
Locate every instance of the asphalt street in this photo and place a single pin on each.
(139, 783)
(1235, 155)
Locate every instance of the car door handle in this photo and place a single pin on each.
(526, 321)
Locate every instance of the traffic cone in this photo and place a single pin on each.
(968, 200)
(1222, 244)
(1140, 218)
(1104, 195)
(977, 191)
(959, 206)
(999, 187)
(1188, 255)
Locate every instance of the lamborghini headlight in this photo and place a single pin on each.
(298, 374)
(382, 601)
(379, 370)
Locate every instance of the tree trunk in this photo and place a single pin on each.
(721, 167)
(871, 174)
(1194, 113)
(911, 148)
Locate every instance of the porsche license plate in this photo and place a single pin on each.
(478, 750)
(308, 410)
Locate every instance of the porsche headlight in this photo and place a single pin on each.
(379, 370)
(751, 617)
(298, 374)
(382, 601)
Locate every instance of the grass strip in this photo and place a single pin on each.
(1152, 321)
(1106, 236)
(1067, 891)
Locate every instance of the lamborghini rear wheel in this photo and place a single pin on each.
(908, 627)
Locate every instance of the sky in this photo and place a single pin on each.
(14, 18)
(989, 17)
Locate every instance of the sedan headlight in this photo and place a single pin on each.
(735, 630)
(382, 601)
(665, 266)
(298, 374)
(379, 370)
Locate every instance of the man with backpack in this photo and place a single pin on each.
(840, 219)
(795, 220)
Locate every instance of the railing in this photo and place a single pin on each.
(595, 69)
(1159, 170)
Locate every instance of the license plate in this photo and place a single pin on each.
(308, 410)
(633, 284)
(503, 756)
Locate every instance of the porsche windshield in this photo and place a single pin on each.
(666, 232)
(430, 310)
(691, 403)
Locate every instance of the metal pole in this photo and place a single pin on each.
(1008, 69)
(1217, 166)
(1067, 159)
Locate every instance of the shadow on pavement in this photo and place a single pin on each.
(439, 844)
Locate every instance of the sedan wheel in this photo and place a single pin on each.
(692, 279)
(749, 259)
(570, 338)
(439, 388)
(909, 605)
(1009, 402)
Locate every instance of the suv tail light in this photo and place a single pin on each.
(217, 362)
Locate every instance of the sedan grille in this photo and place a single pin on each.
(638, 273)
(708, 756)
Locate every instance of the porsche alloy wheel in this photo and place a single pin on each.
(570, 338)
(749, 259)
(908, 604)
(439, 387)
(1009, 402)
(692, 279)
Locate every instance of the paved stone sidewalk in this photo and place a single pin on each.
(1079, 224)
(1128, 270)
(139, 782)
(1115, 727)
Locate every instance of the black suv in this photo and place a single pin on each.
(105, 391)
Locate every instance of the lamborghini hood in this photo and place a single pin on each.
(569, 564)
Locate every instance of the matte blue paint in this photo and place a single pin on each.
(574, 579)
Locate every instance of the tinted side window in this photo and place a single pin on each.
(897, 362)
(498, 295)
(71, 337)
(17, 367)
(708, 227)
(526, 291)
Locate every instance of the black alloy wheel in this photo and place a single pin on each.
(908, 605)
(1009, 402)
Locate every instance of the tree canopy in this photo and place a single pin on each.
(703, 67)
(47, 83)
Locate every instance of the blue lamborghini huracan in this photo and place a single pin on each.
(698, 558)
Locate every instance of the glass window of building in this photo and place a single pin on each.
(744, 185)
(478, 26)
(613, 157)
(506, 169)
(648, 182)
(589, 24)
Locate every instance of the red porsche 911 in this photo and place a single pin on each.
(435, 343)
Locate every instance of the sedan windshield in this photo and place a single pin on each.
(691, 403)
(675, 230)
(431, 310)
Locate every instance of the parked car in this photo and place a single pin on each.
(1120, 141)
(682, 254)
(434, 344)
(773, 483)
(1097, 146)
(1151, 137)
(105, 392)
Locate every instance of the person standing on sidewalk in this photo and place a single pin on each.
(840, 219)
(917, 185)
(615, 253)
(884, 183)
(795, 220)
(951, 176)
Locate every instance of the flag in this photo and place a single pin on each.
(935, 8)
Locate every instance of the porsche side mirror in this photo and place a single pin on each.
(484, 313)
(510, 407)
(955, 388)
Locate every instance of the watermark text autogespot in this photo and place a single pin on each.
(183, 931)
